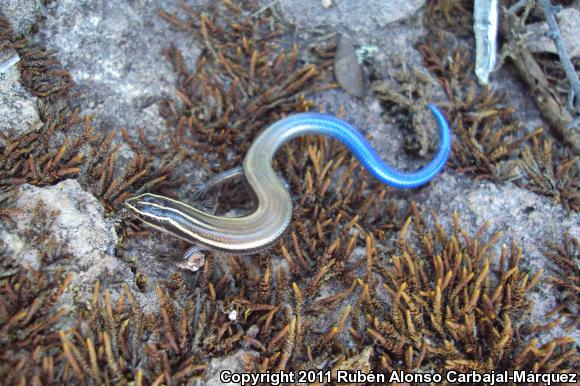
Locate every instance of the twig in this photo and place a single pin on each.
(558, 117)
(265, 7)
(575, 122)
(554, 34)
(517, 6)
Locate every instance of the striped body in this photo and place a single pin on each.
(271, 217)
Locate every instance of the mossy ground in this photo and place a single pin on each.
(359, 271)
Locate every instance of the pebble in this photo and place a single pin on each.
(347, 70)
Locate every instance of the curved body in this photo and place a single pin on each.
(273, 212)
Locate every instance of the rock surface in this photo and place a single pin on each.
(17, 105)
(113, 51)
(66, 227)
(62, 227)
(233, 363)
(114, 54)
(68, 220)
(23, 14)
(387, 30)
(369, 15)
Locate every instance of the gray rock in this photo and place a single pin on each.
(8, 59)
(17, 105)
(64, 227)
(66, 222)
(13, 245)
(22, 14)
(349, 14)
(113, 51)
(347, 70)
(389, 26)
(234, 363)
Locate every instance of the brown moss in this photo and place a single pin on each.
(66, 146)
(489, 139)
(452, 15)
(451, 311)
(565, 256)
(41, 72)
(117, 343)
(487, 135)
(113, 184)
(553, 175)
(248, 75)
(35, 157)
(354, 295)
(29, 352)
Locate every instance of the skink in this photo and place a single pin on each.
(272, 215)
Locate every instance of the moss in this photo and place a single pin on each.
(487, 135)
(369, 283)
(490, 141)
(68, 145)
(565, 256)
(454, 306)
(29, 347)
(41, 73)
(553, 175)
(249, 74)
(35, 157)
